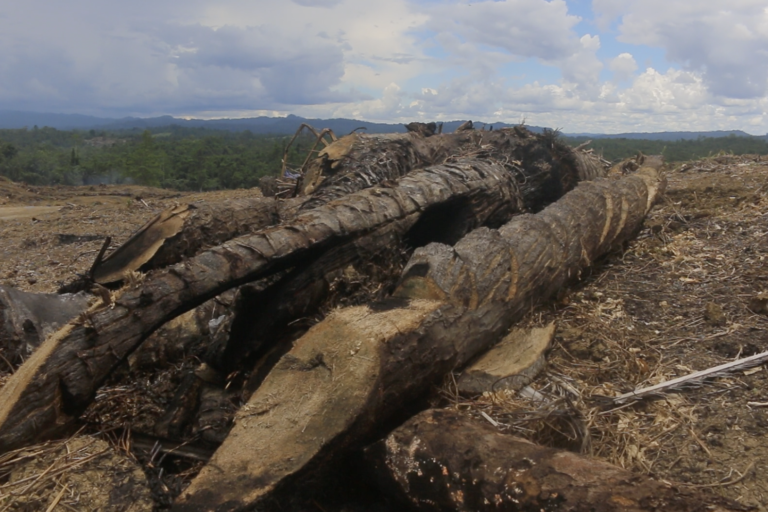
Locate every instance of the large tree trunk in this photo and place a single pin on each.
(183, 231)
(549, 170)
(359, 161)
(353, 370)
(60, 379)
(443, 460)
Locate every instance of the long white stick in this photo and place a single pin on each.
(733, 366)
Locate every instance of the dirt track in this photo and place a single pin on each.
(24, 212)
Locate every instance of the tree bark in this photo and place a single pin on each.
(59, 381)
(359, 161)
(353, 163)
(263, 318)
(352, 371)
(183, 231)
(444, 460)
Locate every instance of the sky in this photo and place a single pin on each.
(606, 66)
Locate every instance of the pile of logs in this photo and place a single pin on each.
(316, 319)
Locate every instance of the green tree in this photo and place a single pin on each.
(146, 163)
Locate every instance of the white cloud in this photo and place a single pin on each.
(398, 60)
(522, 28)
(724, 40)
(623, 67)
(581, 71)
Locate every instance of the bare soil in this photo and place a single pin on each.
(684, 296)
(50, 234)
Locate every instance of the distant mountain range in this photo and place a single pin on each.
(285, 125)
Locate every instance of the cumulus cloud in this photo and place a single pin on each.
(581, 70)
(144, 58)
(522, 28)
(724, 40)
(623, 66)
(398, 60)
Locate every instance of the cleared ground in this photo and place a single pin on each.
(684, 296)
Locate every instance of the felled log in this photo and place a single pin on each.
(59, 380)
(26, 319)
(359, 161)
(547, 170)
(444, 460)
(352, 163)
(350, 372)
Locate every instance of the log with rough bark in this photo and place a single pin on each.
(359, 161)
(548, 171)
(185, 230)
(353, 163)
(351, 372)
(60, 379)
(445, 460)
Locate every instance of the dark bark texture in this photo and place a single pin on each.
(359, 161)
(352, 371)
(183, 231)
(545, 170)
(444, 460)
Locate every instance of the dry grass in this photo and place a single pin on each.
(79, 473)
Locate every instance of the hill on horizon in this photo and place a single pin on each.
(10, 119)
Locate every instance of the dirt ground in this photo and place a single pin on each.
(50, 234)
(686, 295)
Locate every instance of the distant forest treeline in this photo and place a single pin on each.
(206, 159)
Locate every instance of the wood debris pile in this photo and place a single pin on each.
(265, 342)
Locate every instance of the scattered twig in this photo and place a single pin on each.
(490, 420)
(57, 499)
(729, 482)
(692, 379)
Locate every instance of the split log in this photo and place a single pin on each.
(183, 231)
(443, 460)
(512, 364)
(352, 371)
(60, 379)
(26, 319)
